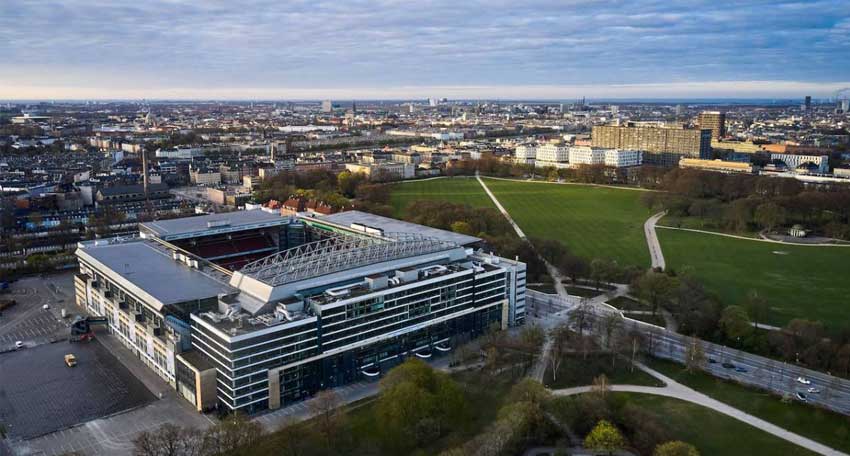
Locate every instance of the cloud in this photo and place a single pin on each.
(161, 46)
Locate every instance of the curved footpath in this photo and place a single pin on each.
(652, 241)
(678, 391)
(758, 239)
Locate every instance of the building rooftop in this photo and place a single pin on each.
(389, 225)
(148, 270)
(188, 227)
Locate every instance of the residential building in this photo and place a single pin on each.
(662, 145)
(384, 170)
(199, 176)
(714, 121)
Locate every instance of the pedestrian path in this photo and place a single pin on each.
(652, 241)
(679, 391)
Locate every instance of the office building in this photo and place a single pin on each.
(661, 145)
(327, 106)
(553, 153)
(728, 167)
(617, 158)
(798, 161)
(714, 121)
(583, 155)
(807, 105)
(250, 311)
(525, 153)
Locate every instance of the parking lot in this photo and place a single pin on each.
(39, 394)
(27, 321)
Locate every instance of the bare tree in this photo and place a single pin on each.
(328, 412)
(560, 335)
(695, 355)
(601, 385)
(169, 440)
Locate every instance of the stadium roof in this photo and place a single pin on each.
(389, 225)
(149, 271)
(205, 225)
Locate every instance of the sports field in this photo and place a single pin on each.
(456, 190)
(798, 281)
(593, 222)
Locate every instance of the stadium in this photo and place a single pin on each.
(251, 311)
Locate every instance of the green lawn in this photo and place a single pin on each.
(823, 426)
(584, 292)
(798, 281)
(592, 221)
(455, 190)
(711, 432)
(627, 303)
(575, 370)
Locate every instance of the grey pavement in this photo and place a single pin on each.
(655, 252)
(676, 390)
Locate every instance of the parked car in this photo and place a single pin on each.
(804, 381)
(728, 365)
(813, 390)
(712, 361)
(70, 360)
(741, 369)
(802, 397)
(19, 345)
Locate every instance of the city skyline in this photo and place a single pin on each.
(388, 50)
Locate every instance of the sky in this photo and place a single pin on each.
(389, 49)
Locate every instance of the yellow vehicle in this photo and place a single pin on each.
(70, 360)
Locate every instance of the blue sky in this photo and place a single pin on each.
(416, 48)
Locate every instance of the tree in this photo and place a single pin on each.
(735, 323)
(169, 440)
(655, 288)
(462, 227)
(675, 448)
(329, 414)
(417, 404)
(695, 355)
(769, 215)
(757, 306)
(234, 432)
(601, 385)
(604, 437)
(560, 335)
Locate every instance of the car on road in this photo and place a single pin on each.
(728, 365)
(19, 345)
(740, 369)
(813, 390)
(802, 397)
(804, 381)
(70, 360)
(712, 361)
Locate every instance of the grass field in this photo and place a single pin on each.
(456, 190)
(593, 222)
(798, 281)
(711, 432)
(575, 370)
(828, 428)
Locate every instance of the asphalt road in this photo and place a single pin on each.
(764, 373)
(771, 375)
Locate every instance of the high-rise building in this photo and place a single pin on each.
(808, 103)
(714, 121)
(327, 106)
(663, 145)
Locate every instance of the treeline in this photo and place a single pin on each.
(344, 190)
(750, 203)
(485, 223)
(490, 165)
(701, 314)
